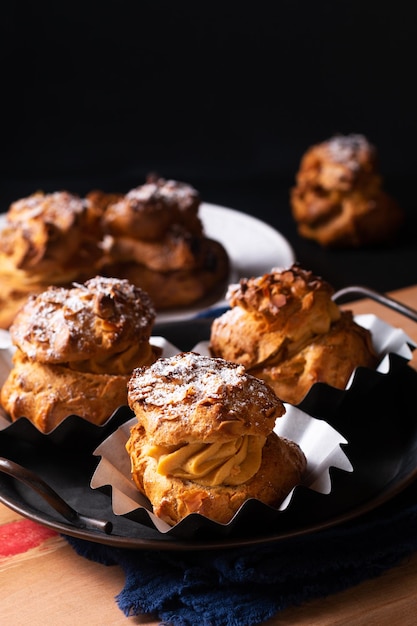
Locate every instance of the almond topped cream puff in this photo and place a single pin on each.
(285, 328)
(76, 349)
(204, 440)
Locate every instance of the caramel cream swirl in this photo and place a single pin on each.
(211, 464)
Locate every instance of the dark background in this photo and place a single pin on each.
(224, 95)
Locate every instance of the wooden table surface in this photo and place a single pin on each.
(43, 581)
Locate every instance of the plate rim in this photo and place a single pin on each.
(252, 219)
(176, 544)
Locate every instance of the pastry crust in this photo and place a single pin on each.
(286, 329)
(13, 296)
(330, 358)
(178, 288)
(339, 200)
(48, 393)
(155, 239)
(204, 440)
(48, 239)
(272, 315)
(190, 397)
(150, 210)
(100, 319)
(152, 236)
(76, 349)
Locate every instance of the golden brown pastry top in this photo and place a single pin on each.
(102, 317)
(101, 200)
(192, 398)
(339, 200)
(59, 208)
(341, 163)
(149, 211)
(268, 294)
(279, 311)
(53, 236)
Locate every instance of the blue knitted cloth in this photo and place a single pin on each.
(248, 585)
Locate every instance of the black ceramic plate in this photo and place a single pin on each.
(378, 421)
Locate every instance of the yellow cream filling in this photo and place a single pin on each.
(211, 464)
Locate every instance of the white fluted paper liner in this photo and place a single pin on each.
(386, 340)
(319, 441)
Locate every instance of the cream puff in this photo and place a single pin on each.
(339, 199)
(48, 239)
(285, 328)
(75, 351)
(204, 440)
(155, 239)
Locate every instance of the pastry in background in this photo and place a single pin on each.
(285, 329)
(155, 239)
(102, 199)
(152, 236)
(204, 440)
(48, 239)
(339, 200)
(75, 351)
